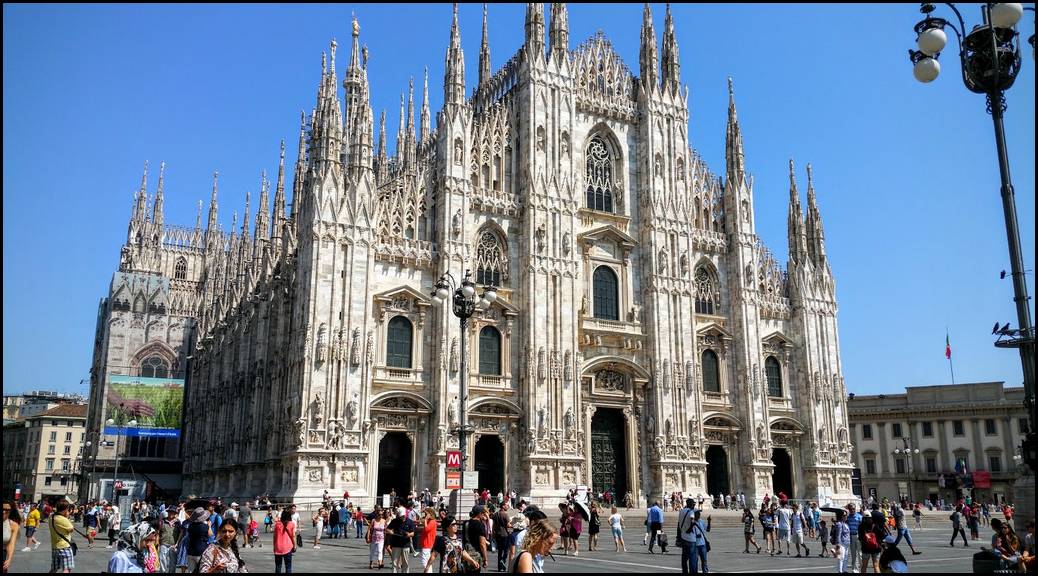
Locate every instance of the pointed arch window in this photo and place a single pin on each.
(599, 176)
(491, 259)
(774, 373)
(707, 295)
(490, 351)
(154, 367)
(398, 345)
(607, 295)
(711, 372)
(180, 270)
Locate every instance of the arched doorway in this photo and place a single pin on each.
(717, 471)
(608, 452)
(782, 477)
(394, 464)
(490, 463)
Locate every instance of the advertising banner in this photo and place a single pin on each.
(982, 479)
(155, 403)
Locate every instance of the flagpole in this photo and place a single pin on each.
(947, 344)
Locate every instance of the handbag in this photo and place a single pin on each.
(71, 544)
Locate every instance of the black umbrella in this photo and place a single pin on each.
(830, 509)
(584, 511)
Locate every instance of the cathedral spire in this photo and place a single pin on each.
(795, 222)
(211, 226)
(157, 215)
(400, 134)
(263, 214)
(535, 28)
(734, 159)
(279, 196)
(454, 75)
(245, 217)
(426, 116)
(671, 65)
(299, 173)
(140, 212)
(648, 57)
(357, 129)
(410, 110)
(815, 233)
(382, 139)
(484, 53)
(198, 218)
(558, 33)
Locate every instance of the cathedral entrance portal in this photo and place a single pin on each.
(782, 477)
(608, 452)
(717, 471)
(394, 464)
(490, 463)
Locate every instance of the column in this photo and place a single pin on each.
(978, 460)
(884, 452)
(945, 460)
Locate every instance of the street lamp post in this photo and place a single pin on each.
(990, 58)
(464, 306)
(115, 472)
(908, 451)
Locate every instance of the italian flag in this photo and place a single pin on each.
(947, 346)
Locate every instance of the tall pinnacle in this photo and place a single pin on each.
(454, 74)
(558, 33)
(734, 158)
(426, 116)
(357, 128)
(484, 53)
(815, 233)
(279, 196)
(211, 227)
(263, 214)
(671, 64)
(648, 57)
(157, 215)
(795, 222)
(535, 28)
(300, 168)
(382, 138)
(140, 212)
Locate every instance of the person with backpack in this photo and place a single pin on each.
(796, 526)
(869, 539)
(956, 520)
(686, 540)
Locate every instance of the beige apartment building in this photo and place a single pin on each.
(980, 424)
(42, 452)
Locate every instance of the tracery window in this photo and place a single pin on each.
(599, 176)
(154, 367)
(180, 270)
(491, 260)
(490, 351)
(607, 295)
(398, 345)
(774, 374)
(706, 291)
(711, 372)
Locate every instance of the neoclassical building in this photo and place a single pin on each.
(644, 339)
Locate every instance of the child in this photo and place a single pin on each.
(661, 538)
(823, 539)
(254, 534)
(268, 521)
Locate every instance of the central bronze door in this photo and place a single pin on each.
(608, 452)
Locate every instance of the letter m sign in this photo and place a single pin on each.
(454, 459)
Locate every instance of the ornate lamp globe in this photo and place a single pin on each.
(932, 40)
(1006, 15)
(926, 69)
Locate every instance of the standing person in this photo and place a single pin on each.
(767, 524)
(358, 521)
(90, 523)
(319, 519)
(245, 521)
(502, 532)
(115, 523)
(32, 521)
(576, 527)
(167, 543)
(797, 523)
(198, 533)
(61, 557)
(840, 538)
(814, 516)
(655, 523)
(222, 555)
(539, 541)
(333, 522)
(853, 521)
(376, 539)
(783, 514)
(476, 535)
(902, 529)
(448, 553)
(956, 520)
(686, 539)
(12, 522)
(616, 524)
(284, 542)
(823, 539)
(400, 530)
(868, 539)
(427, 535)
(268, 522)
(593, 528)
(748, 530)
(917, 515)
(702, 545)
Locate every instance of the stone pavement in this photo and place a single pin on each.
(351, 555)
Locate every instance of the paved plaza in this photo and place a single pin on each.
(351, 555)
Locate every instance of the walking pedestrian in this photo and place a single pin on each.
(853, 521)
(783, 514)
(244, 521)
(702, 545)
(823, 539)
(539, 541)
(797, 522)
(767, 523)
(32, 522)
(476, 535)
(902, 529)
(222, 555)
(427, 535)
(376, 539)
(502, 532)
(686, 538)
(917, 515)
(748, 531)
(12, 522)
(198, 532)
(594, 525)
(616, 524)
(284, 542)
(400, 531)
(840, 538)
(654, 521)
(956, 520)
(62, 557)
(868, 538)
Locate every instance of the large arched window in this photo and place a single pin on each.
(490, 351)
(599, 176)
(706, 291)
(607, 295)
(398, 345)
(711, 372)
(491, 259)
(154, 367)
(180, 270)
(774, 373)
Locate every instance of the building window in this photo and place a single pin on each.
(607, 294)
(64, 480)
(989, 427)
(154, 367)
(68, 436)
(899, 465)
(46, 481)
(994, 463)
(490, 351)
(931, 465)
(928, 429)
(707, 295)
(774, 373)
(398, 349)
(711, 372)
(180, 270)
(68, 449)
(1022, 425)
(866, 431)
(50, 449)
(599, 176)
(870, 466)
(53, 436)
(895, 429)
(958, 429)
(491, 259)
(50, 464)
(66, 465)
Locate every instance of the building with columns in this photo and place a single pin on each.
(980, 425)
(643, 338)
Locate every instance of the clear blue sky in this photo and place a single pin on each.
(906, 174)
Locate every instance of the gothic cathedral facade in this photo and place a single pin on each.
(643, 338)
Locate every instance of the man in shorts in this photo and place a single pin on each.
(797, 525)
(61, 557)
(783, 514)
(32, 521)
